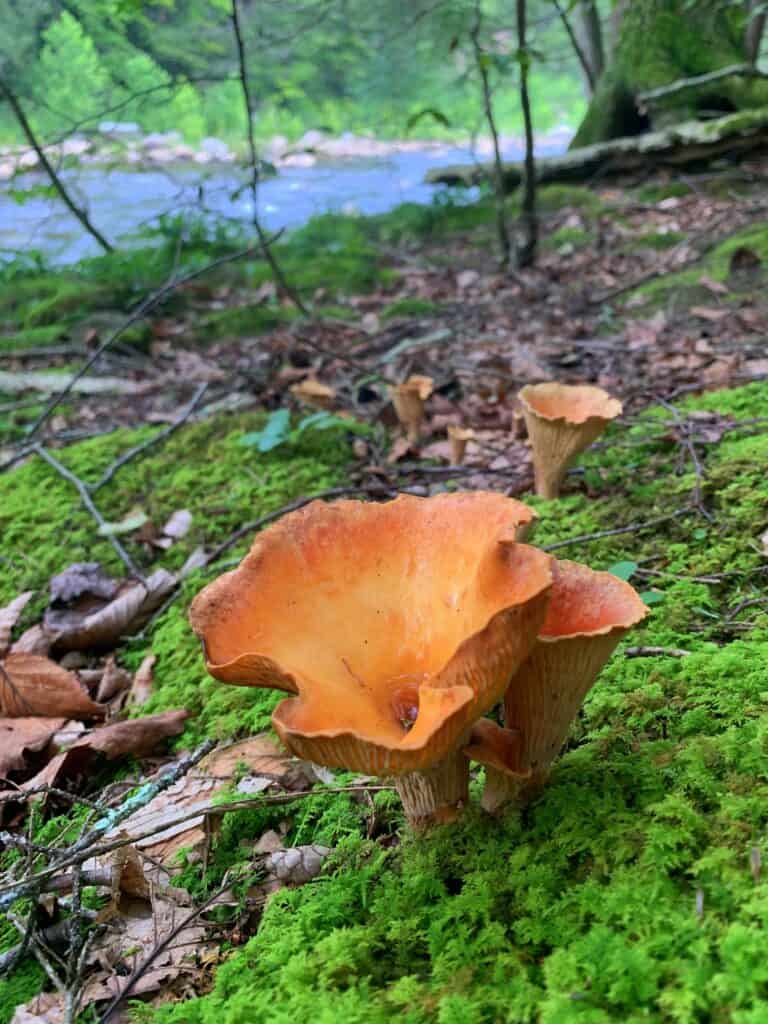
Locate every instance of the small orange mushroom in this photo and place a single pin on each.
(562, 421)
(459, 438)
(395, 625)
(408, 399)
(588, 613)
(314, 393)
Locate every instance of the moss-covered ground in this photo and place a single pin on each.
(632, 890)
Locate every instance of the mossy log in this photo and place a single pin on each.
(659, 42)
(689, 143)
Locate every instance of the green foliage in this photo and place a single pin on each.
(278, 431)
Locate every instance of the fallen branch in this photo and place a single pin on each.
(138, 314)
(264, 243)
(683, 84)
(632, 528)
(58, 184)
(164, 434)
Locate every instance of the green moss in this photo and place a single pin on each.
(242, 321)
(716, 265)
(409, 308)
(667, 190)
(657, 240)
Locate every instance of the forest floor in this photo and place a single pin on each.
(634, 888)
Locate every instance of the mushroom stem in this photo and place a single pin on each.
(547, 483)
(436, 795)
(503, 790)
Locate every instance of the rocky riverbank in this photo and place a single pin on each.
(125, 144)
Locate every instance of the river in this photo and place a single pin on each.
(121, 202)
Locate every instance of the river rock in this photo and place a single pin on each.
(160, 140)
(7, 169)
(216, 149)
(74, 146)
(311, 139)
(27, 159)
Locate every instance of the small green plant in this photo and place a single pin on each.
(277, 429)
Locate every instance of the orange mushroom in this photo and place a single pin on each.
(459, 438)
(314, 393)
(588, 613)
(395, 625)
(562, 421)
(408, 399)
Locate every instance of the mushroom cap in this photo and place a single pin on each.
(585, 603)
(397, 624)
(574, 403)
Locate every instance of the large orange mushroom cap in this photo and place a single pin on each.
(588, 614)
(562, 421)
(397, 624)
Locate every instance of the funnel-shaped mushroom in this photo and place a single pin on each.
(562, 421)
(459, 438)
(408, 399)
(589, 612)
(397, 626)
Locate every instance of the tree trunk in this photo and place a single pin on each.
(589, 33)
(756, 15)
(659, 42)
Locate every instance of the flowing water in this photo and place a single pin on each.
(123, 201)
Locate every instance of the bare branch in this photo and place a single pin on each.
(56, 181)
(526, 248)
(277, 272)
(682, 84)
(586, 67)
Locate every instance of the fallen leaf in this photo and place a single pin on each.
(297, 865)
(114, 680)
(45, 1008)
(82, 578)
(314, 393)
(32, 685)
(75, 629)
(10, 615)
(467, 279)
(33, 641)
(715, 287)
(709, 313)
(400, 447)
(141, 687)
(19, 736)
(178, 525)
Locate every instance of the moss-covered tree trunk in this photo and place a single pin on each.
(659, 42)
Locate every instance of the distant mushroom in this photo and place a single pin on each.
(459, 437)
(562, 421)
(588, 614)
(314, 393)
(395, 625)
(408, 399)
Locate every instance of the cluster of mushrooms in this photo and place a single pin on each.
(397, 626)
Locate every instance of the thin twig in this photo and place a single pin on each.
(87, 501)
(164, 434)
(138, 314)
(142, 969)
(481, 60)
(585, 65)
(632, 528)
(58, 184)
(264, 243)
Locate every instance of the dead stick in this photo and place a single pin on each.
(164, 434)
(632, 528)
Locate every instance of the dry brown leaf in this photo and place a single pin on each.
(45, 1008)
(715, 287)
(141, 687)
(9, 616)
(114, 680)
(19, 736)
(314, 393)
(75, 629)
(129, 940)
(82, 578)
(713, 314)
(33, 641)
(32, 685)
(137, 736)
